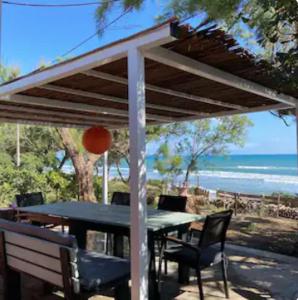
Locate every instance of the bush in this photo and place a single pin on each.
(251, 227)
(61, 186)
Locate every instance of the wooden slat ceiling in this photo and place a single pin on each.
(210, 46)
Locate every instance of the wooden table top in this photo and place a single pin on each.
(115, 215)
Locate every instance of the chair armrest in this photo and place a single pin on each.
(183, 243)
(22, 215)
(196, 229)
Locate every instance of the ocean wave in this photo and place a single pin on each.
(252, 176)
(68, 169)
(265, 168)
(270, 178)
(125, 169)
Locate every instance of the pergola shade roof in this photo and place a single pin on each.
(180, 85)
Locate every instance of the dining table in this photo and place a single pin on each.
(82, 216)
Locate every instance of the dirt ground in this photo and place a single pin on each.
(278, 235)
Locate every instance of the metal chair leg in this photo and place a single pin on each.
(165, 260)
(161, 257)
(224, 266)
(199, 280)
(122, 291)
(108, 245)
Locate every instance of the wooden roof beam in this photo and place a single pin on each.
(48, 118)
(186, 64)
(40, 123)
(90, 119)
(153, 37)
(81, 107)
(238, 112)
(170, 92)
(102, 97)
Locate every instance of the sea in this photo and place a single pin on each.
(251, 174)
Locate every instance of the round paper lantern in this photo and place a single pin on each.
(97, 140)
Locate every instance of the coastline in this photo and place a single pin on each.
(248, 174)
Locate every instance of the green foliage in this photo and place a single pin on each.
(214, 8)
(167, 163)
(39, 169)
(18, 180)
(8, 73)
(191, 141)
(105, 8)
(200, 138)
(61, 186)
(252, 227)
(117, 186)
(119, 151)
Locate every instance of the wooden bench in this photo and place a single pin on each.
(54, 258)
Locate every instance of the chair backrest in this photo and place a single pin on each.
(172, 203)
(29, 199)
(215, 229)
(120, 198)
(44, 254)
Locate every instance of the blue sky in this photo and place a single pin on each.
(34, 35)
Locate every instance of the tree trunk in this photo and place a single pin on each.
(186, 178)
(84, 175)
(120, 173)
(83, 163)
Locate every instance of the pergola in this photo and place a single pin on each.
(189, 75)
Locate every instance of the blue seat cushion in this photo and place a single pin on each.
(208, 256)
(98, 271)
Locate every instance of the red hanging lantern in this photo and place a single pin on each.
(97, 140)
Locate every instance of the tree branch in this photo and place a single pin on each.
(65, 158)
(280, 117)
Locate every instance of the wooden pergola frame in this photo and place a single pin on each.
(146, 45)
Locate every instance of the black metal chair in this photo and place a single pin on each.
(118, 198)
(29, 199)
(171, 203)
(208, 252)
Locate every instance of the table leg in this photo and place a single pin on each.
(118, 250)
(118, 245)
(183, 274)
(33, 288)
(122, 291)
(152, 277)
(80, 232)
(12, 288)
(11, 280)
(183, 270)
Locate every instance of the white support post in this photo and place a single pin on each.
(18, 145)
(105, 178)
(137, 123)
